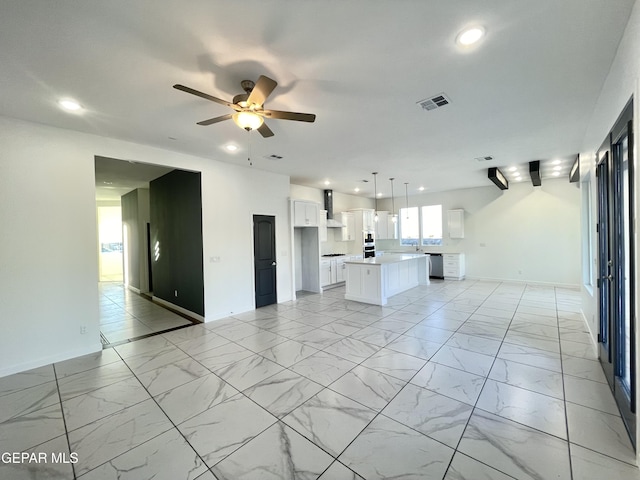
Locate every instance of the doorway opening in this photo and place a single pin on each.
(129, 309)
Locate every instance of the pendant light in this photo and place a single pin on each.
(375, 196)
(394, 216)
(406, 195)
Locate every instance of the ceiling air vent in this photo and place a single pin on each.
(273, 157)
(488, 158)
(434, 102)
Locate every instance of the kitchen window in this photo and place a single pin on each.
(432, 225)
(409, 226)
(421, 226)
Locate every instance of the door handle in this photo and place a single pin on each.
(273, 264)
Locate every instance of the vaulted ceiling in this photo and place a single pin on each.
(524, 92)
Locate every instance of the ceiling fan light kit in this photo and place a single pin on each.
(248, 120)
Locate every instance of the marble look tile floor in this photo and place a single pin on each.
(125, 315)
(452, 381)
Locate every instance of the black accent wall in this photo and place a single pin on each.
(176, 239)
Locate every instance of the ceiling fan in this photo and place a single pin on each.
(249, 112)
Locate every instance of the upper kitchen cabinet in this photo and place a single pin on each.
(348, 231)
(382, 226)
(455, 223)
(364, 220)
(305, 214)
(386, 228)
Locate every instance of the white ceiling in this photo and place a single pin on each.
(525, 92)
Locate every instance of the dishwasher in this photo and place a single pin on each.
(436, 270)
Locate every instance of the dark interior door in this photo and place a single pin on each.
(264, 254)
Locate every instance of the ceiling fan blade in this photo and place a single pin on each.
(211, 121)
(300, 117)
(262, 89)
(206, 96)
(265, 131)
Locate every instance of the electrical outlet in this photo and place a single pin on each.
(83, 329)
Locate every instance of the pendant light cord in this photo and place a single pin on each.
(249, 147)
(393, 202)
(406, 194)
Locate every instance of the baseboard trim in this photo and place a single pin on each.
(44, 361)
(529, 282)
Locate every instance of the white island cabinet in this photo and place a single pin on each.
(374, 280)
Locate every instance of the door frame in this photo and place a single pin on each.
(612, 284)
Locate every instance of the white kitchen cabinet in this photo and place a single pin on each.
(453, 266)
(392, 227)
(386, 228)
(322, 226)
(364, 283)
(348, 231)
(325, 273)
(382, 226)
(332, 271)
(364, 221)
(340, 270)
(305, 214)
(455, 223)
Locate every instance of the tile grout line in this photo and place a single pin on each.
(564, 389)
(64, 419)
(456, 449)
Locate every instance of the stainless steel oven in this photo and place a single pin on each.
(369, 245)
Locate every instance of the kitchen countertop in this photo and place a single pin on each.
(385, 259)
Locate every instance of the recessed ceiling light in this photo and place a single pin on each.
(327, 182)
(556, 174)
(421, 189)
(557, 162)
(470, 36)
(379, 194)
(231, 147)
(557, 168)
(70, 105)
(356, 189)
(513, 169)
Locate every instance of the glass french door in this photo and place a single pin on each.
(616, 274)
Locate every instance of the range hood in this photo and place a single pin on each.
(328, 206)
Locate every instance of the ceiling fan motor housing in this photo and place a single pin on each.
(241, 99)
(247, 85)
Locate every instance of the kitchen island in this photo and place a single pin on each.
(374, 280)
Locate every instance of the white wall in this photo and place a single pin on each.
(620, 85)
(524, 233)
(48, 259)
